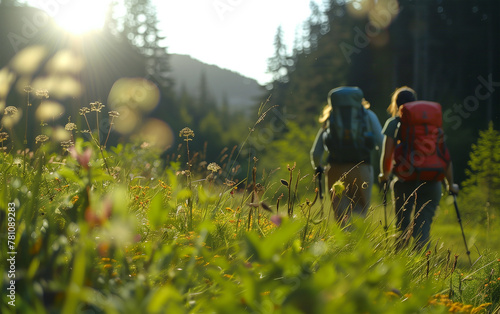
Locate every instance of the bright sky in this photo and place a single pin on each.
(233, 34)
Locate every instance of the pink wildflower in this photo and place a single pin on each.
(83, 158)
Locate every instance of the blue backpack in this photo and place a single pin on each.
(348, 137)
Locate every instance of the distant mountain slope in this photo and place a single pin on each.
(242, 93)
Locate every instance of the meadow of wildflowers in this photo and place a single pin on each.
(98, 229)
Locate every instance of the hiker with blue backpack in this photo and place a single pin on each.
(350, 134)
(414, 151)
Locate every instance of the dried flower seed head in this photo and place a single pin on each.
(186, 132)
(67, 144)
(42, 93)
(70, 126)
(41, 138)
(10, 110)
(96, 106)
(28, 89)
(114, 114)
(4, 136)
(213, 167)
(84, 111)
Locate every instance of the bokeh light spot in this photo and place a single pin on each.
(157, 134)
(128, 121)
(28, 60)
(136, 93)
(49, 110)
(65, 61)
(59, 134)
(7, 78)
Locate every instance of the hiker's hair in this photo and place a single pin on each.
(328, 108)
(401, 96)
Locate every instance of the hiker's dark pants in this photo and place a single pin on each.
(420, 198)
(358, 182)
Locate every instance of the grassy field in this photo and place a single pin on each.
(130, 235)
(90, 230)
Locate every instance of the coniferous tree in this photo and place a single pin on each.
(279, 67)
(322, 66)
(278, 64)
(483, 176)
(225, 114)
(111, 26)
(139, 27)
(186, 105)
(206, 102)
(314, 27)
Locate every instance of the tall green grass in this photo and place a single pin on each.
(117, 231)
(90, 241)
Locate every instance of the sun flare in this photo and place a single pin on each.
(79, 16)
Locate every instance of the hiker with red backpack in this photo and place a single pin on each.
(350, 133)
(414, 151)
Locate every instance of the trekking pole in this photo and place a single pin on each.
(386, 187)
(319, 174)
(461, 227)
(320, 187)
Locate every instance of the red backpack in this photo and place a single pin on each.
(421, 153)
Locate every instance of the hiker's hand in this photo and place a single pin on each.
(383, 178)
(319, 169)
(453, 189)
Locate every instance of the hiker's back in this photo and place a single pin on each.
(348, 136)
(421, 153)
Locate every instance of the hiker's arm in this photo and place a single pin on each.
(452, 187)
(386, 158)
(376, 128)
(317, 150)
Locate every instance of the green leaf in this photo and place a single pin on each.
(70, 175)
(184, 194)
(164, 296)
(76, 284)
(157, 213)
(102, 177)
(205, 197)
(118, 149)
(265, 249)
(35, 263)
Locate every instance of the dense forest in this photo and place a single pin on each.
(121, 192)
(444, 49)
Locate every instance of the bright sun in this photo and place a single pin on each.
(77, 16)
